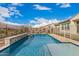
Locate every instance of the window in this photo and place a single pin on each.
(67, 26)
(78, 27)
(62, 26)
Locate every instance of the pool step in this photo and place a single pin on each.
(63, 49)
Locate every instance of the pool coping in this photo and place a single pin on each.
(64, 40)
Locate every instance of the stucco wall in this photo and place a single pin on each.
(73, 27)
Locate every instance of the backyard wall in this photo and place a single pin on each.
(5, 42)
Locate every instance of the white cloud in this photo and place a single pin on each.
(67, 18)
(17, 4)
(42, 22)
(58, 3)
(11, 23)
(14, 11)
(4, 12)
(39, 7)
(7, 13)
(2, 19)
(63, 5)
(12, 8)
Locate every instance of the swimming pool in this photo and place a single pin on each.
(34, 45)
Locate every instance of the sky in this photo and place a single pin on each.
(37, 14)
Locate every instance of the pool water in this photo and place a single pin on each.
(34, 45)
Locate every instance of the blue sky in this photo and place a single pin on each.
(37, 14)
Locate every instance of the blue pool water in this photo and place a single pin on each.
(34, 45)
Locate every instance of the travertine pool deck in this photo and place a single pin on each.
(63, 49)
(63, 39)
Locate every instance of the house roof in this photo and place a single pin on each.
(75, 18)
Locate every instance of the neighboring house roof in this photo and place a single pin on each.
(75, 18)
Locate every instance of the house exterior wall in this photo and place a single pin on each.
(64, 30)
(73, 27)
(73, 24)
